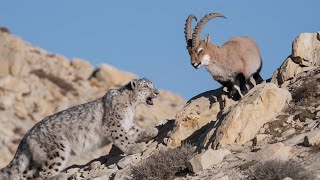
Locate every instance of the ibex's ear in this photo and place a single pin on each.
(207, 39)
(133, 84)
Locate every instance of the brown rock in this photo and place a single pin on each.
(286, 71)
(277, 151)
(306, 49)
(112, 75)
(82, 69)
(305, 56)
(313, 138)
(165, 108)
(198, 112)
(243, 121)
(206, 159)
(4, 68)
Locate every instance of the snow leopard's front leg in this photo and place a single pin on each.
(121, 138)
(143, 135)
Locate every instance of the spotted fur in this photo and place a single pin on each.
(46, 148)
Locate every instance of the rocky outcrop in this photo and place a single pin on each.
(305, 56)
(241, 122)
(198, 112)
(206, 159)
(274, 122)
(228, 124)
(269, 123)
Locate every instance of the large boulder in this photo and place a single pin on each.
(277, 151)
(305, 56)
(306, 49)
(198, 112)
(241, 122)
(206, 159)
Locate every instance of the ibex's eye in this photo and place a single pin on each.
(200, 51)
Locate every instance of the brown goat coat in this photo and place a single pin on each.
(238, 55)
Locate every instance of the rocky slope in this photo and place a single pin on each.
(35, 83)
(273, 132)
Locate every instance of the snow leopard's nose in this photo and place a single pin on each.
(156, 92)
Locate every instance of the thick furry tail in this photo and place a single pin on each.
(15, 168)
(5, 173)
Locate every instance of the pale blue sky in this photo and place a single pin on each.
(146, 37)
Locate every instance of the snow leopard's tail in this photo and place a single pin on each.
(15, 168)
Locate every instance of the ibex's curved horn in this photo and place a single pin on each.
(199, 26)
(187, 29)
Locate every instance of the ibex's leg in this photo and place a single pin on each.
(233, 92)
(257, 78)
(242, 83)
(227, 84)
(250, 85)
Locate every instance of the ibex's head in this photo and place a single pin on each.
(198, 50)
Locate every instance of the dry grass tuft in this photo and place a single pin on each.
(303, 95)
(164, 164)
(278, 170)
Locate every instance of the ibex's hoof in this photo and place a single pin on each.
(235, 95)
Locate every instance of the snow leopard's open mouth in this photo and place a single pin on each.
(149, 101)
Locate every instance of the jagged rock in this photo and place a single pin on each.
(223, 178)
(287, 178)
(312, 164)
(4, 68)
(277, 151)
(199, 111)
(260, 137)
(306, 49)
(83, 173)
(112, 75)
(12, 84)
(151, 147)
(287, 70)
(241, 122)
(288, 132)
(163, 105)
(312, 137)
(129, 160)
(206, 159)
(305, 56)
(82, 68)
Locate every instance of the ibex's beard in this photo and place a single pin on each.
(204, 62)
(196, 65)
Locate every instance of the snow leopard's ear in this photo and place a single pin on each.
(133, 84)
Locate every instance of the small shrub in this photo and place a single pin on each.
(163, 164)
(303, 95)
(5, 30)
(308, 89)
(278, 170)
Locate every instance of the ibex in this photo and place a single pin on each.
(234, 63)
